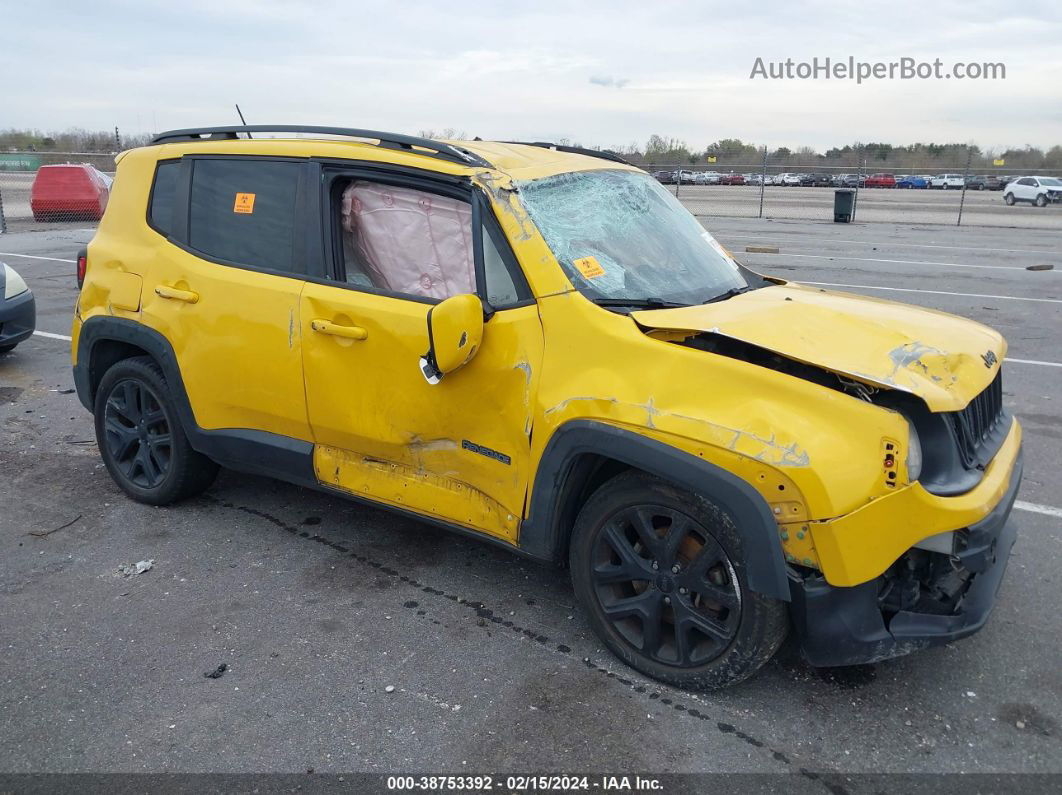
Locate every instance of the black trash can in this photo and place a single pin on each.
(843, 206)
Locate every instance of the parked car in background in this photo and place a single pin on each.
(707, 178)
(983, 182)
(817, 180)
(732, 179)
(911, 181)
(947, 181)
(664, 177)
(847, 181)
(685, 176)
(754, 179)
(770, 179)
(787, 179)
(880, 181)
(18, 310)
(69, 192)
(1040, 191)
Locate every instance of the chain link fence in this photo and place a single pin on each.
(42, 189)
(959, 195)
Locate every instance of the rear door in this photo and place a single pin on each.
(459, 449)
(228, 269)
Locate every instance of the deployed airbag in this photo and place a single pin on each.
(410, 241)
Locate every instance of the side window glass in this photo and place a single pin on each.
(163, 192)
(501, 291)
(407, 241)
(243, 211)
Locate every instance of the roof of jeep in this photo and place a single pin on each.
(519, 161)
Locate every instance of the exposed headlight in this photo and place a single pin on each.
(13, 283)
(914, 453)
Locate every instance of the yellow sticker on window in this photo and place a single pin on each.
(244, 203)
(589, 267)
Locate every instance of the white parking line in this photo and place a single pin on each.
(1032, 507)
(886, 243)
(1034, 361)
(840, 258)
(52, 336)
(934, 292)
(34, 256)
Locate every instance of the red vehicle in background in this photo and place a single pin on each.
(70, 192)
(880, 181)
(732, 179)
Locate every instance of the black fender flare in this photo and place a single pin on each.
(543, 536)
(245, 449)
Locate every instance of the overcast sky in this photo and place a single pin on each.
(601, 73)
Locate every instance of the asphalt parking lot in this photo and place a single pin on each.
(878, 205)
(317, 606)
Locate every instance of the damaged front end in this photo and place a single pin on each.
(928, 597)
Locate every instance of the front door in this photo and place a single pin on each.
(457, 450)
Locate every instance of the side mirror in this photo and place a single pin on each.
(455, 331)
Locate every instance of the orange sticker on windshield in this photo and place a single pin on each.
(589, 267)
(244, 203)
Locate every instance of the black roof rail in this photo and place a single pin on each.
(604, 154)
(424, 146)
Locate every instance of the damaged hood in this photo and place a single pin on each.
(943, 359)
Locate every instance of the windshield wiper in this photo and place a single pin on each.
(648, 302)
(730, 294)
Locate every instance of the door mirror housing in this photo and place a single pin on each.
(455, 331)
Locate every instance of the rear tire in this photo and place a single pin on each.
(691, 621)
(1041, 200)
(1008, 199)
(140, 436)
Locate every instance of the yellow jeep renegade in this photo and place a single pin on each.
(539, 346)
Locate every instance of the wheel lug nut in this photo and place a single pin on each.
(683, 591)
(655, 565)
(675, 569)
(667, 600)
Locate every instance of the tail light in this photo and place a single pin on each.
(82, 266)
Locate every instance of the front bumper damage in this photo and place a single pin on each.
(860, 624)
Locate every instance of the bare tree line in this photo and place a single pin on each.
(658, 149)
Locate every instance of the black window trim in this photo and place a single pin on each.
(303, 212)
(457, 187)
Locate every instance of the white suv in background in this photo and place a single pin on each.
(1036, 190)
(945, 181)
(707, 178)
(787, 179)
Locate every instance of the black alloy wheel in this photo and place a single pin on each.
(666, 585)
(137, 433)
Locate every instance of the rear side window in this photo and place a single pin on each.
(243, 211)
(163, 192)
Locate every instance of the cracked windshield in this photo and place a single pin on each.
(623, 239)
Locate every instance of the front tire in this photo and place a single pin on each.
(1008, 199)
(1041, 200)
(661, 573)
(140, 437)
